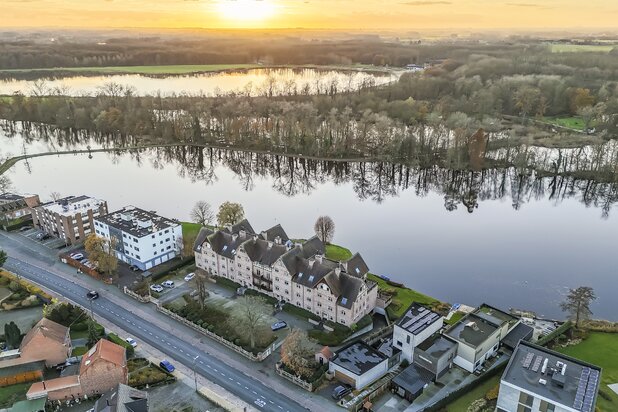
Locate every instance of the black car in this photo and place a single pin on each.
(341, 391)
(134, 268)
(93, 294)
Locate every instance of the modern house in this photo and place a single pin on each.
(435, 355)
(16, 208)
(359, 364)
(101, 369)
(122, 398)
(141, 238)
(48, 341)
(478, 335)
(411, 382)
(416, 325)
(295, 273)
(70, 218)
(538, 379)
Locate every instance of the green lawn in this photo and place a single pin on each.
(14, 393)
(570, 48)
(335, 252)
(190, 229)
(462, 404)
(79, 350)
(403, 296)
(455, 318)
(171, 69)
(600, 349)
(572, 122)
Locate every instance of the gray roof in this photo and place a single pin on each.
(274, 232)
(126, 220)
(356, 266)
(264, 252)
(519, 332)
(576, 388)
(10, 197)
(226, 244)
(472, 330)
(242, 225)
(413, 379)
(417, 318)
(358, 358)
(496, 316)
(122, 398)
(436, 346)
(12, 205)
(201, 238)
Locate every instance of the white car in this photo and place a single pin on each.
(189, 276)
(131, 342)
(156, 288)
(168, 284)
(77, 256)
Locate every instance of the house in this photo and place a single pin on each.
(324, 355)
(416, 325)
(538, 379)
(478, 335)
(141, 238)
(101, 369)
(16, 208)
(295, 273)
(516, 335)
(70, 218)
(359, 364)
(411, 382)
(435, 355)
(122, 398)
(47, 340)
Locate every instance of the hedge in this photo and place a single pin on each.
(112, 337)
(300, 312)
(226, 283)
(176, 265)
(551, 336)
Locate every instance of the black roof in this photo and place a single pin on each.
(12, 205)
(358, 358)
(413, 379)
(127, 218)
(436, 345)
(201, 238)
(242, 225)
(227, 244)
(519, 333)
(264, 252)
(417, 318)
(274, 232)
(472, 330)
(10, 197)
(356, 266)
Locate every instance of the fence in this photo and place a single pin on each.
(555, 334)
(139, 298)
(249, 355)
(294, 379)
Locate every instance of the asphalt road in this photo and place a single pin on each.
(246, 388)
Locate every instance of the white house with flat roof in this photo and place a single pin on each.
(416, 325)
(539, 379)
(143, 239)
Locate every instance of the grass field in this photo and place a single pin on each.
(572, 122)
(600, 349)
(403, 296)
(190, 229)
(11, 394)
(462, 404)
(571, 48)
(336, 252)
(172, 69)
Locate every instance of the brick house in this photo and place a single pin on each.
(47, 340)
(103, 367)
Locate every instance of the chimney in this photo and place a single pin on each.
(311, 262)
(234, 237)
(278, 240)
(337, 271)
(270, 245)
(229, 227)
(318, 258)
(264, 235)
(242, 233)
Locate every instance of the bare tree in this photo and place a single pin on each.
(325, 228)
(5, 184)
(55, 196)
(577, 303)
(202, 213)
(201, 277)
(251, 318)
(296, 353)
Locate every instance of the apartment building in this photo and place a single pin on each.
(15, 208)
(141, 238)
(291, 272)
(70, 218)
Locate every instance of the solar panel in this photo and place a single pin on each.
(537, 363)
(528, 360)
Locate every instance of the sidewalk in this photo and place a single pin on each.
(38, 255)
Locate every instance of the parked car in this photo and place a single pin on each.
(134, 268)
(77, 256)
(24, 228)
(156, 288)
(278, 325)
(43, 236)
(168, 284)
(341, 391)
(93, 294)
(167, 366)
(131, 342)
(189, 276)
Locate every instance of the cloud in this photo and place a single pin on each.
(426, 2)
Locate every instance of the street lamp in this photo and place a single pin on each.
(194, 373)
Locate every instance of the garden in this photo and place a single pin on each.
(144, 373)
(16, 293)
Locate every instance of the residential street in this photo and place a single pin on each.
(181, 344)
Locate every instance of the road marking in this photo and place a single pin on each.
(254, 392)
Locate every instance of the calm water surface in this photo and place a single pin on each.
(525, 258)
(255, 81)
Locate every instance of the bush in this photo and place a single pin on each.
(300, 312)
(14, 286)
(492, 394)
(404, 363)
(112, 337)
(79, 327)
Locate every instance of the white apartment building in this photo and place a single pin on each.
(295, 273)
(69, 218)
(142, 238)
(415, 326)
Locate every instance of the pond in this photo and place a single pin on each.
(493, 236)
(253, 82)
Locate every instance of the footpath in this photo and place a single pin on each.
(36, 254)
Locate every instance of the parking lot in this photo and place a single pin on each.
(51, 242)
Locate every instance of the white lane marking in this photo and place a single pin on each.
(254, 392)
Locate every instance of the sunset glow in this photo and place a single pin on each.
(246, 10)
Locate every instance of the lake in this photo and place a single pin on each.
(493, 236)
(252, 82)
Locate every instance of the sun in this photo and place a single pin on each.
(246, 10)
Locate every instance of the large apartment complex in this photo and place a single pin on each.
(142, 238)
(69, 218)
(296, 273)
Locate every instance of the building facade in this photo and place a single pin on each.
(47, 340)
(16, 208)
(295, 273)
(416, 325)
(359, 365)
(140, 238)
(70, 218)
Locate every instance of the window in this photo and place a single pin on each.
(137, 257)
(161, 242)
(399, 343)
(525, 402)
(136, 248)
(547, 407)
(167, 240)
(154, 245)
(168, 248)
(167, 231)
(408, 339)
(298, 295)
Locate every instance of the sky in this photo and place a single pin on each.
(312, 14)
